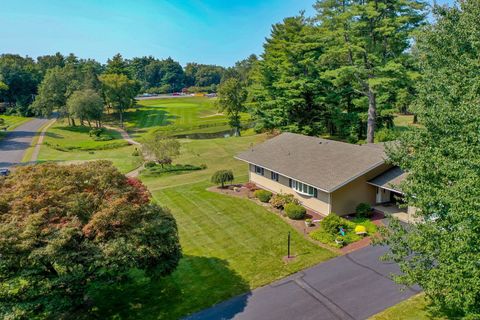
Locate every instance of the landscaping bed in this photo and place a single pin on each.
(154, 169)
(347, 233)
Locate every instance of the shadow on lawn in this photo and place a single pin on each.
(196, 284)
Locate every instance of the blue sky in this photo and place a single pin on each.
(206, 31)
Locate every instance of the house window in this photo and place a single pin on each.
(303, 188)
(259, 170)
(274, 176)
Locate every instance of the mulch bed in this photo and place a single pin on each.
(240, 191)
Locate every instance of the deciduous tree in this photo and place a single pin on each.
(222, 176)
(119, 92)
(66, 230)
(442, 252)
(231, 99)
(86, 105)
(162, 149)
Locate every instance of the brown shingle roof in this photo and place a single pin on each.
(322, 163)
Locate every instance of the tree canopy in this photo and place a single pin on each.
(86, 105)
(119, 92)
(67, 229)
(441, 253)
(162, 149)
(231, 99)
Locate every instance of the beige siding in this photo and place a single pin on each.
(319, 204)
(345, 200)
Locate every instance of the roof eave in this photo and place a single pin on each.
(283, 174)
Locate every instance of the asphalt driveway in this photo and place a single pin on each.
(354, 286)
(17, 141)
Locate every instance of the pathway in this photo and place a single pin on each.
(17, 141)
(136, 172)
(352, 287)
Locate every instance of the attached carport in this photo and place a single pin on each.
(389, 196)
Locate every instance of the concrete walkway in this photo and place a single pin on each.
(17, 141)
(352, 287)
(124, 134)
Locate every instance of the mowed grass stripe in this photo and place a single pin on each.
(251, 238)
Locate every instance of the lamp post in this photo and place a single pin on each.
(288, 254)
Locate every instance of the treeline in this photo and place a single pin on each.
(342, 73)
(53, 78)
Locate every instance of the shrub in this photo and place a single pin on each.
(324, 237)
(150, 164)
(171, 168)
(222, 176)
(251, 186)
(332, 223)
(295, 211)
(96, 132)
(263, 195)
(364, 210)
(280, 200)
(103, 137)
(135, 153)
(384, 135)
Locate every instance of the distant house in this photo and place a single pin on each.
(326, 176)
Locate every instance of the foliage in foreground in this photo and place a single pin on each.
(67, 228)
(442, 253)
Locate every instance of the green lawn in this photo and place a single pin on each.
(11, 122)
(70, 144)
(415, 308)
(230, 245)
(122, 157)
(176, 116)
(215, 153)
(64, 137)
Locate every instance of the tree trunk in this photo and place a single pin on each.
(415, 119)
(73, 122)
(121, 119)
(89, 123)
(372, 114)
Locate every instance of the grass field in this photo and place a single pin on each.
(230, 245)
(10, 123)
(415, 308)
(67, 137)
(70, 144)
(176, 116)
(122, 157)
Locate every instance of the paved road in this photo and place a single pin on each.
(354, 286)
(14, 145)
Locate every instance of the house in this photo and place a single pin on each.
(326, 176)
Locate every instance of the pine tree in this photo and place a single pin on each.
(364, 42)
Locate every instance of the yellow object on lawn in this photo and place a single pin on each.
(360, 229)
